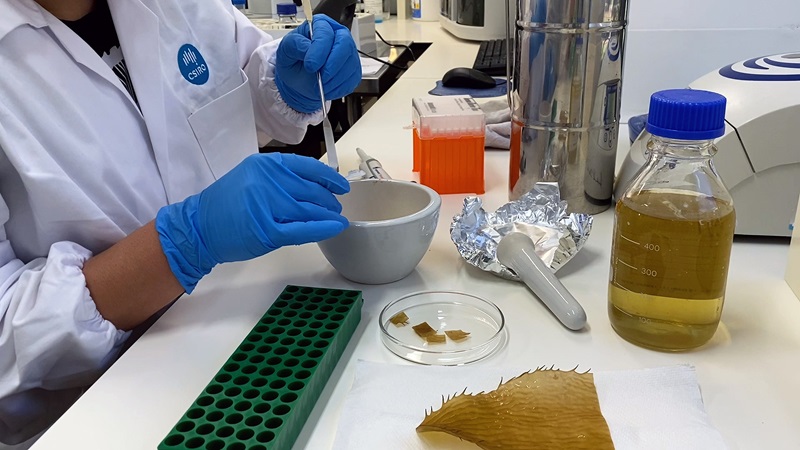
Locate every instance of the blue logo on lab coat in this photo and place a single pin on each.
(192, 65)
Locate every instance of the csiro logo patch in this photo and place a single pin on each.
(192, 65)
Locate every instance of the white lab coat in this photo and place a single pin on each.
(81, 167)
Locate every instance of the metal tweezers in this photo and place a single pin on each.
(327, 130)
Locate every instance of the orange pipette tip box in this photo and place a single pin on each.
(449, 136)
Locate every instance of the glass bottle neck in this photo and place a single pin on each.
(678, 148)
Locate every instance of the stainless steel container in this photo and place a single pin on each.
(565, 96)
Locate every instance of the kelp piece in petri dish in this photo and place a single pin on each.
(456, 335)
(444, 310)
(400, 319)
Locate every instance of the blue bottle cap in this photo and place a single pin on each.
(687, 114)
(287, 9)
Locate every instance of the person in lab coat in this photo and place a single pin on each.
(127, 172)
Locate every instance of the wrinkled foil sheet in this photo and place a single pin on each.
(541, 214)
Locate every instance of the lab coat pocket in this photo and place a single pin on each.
(225, 129)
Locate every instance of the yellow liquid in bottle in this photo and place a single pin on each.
(669, 267)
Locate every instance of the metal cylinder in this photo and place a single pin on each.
(566, 81)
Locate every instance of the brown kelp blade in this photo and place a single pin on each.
(546, 408)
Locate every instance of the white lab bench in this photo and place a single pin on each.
(748, 372)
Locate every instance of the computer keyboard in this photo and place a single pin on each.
(491, 58)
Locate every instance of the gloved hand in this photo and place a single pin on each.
(332, 52)
(266, 202)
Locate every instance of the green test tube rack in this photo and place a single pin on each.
(265, 391)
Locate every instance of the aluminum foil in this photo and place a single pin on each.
(541, 214)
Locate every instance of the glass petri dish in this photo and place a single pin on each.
(444, 310)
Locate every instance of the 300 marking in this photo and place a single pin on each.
(649, 272)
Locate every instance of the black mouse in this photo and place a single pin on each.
(465, 77)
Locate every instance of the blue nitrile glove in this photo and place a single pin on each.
(266, 202)
(332, 52)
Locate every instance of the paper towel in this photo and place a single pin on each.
(659, 408)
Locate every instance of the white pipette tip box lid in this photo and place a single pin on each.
(793, 267)
(451, 116)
